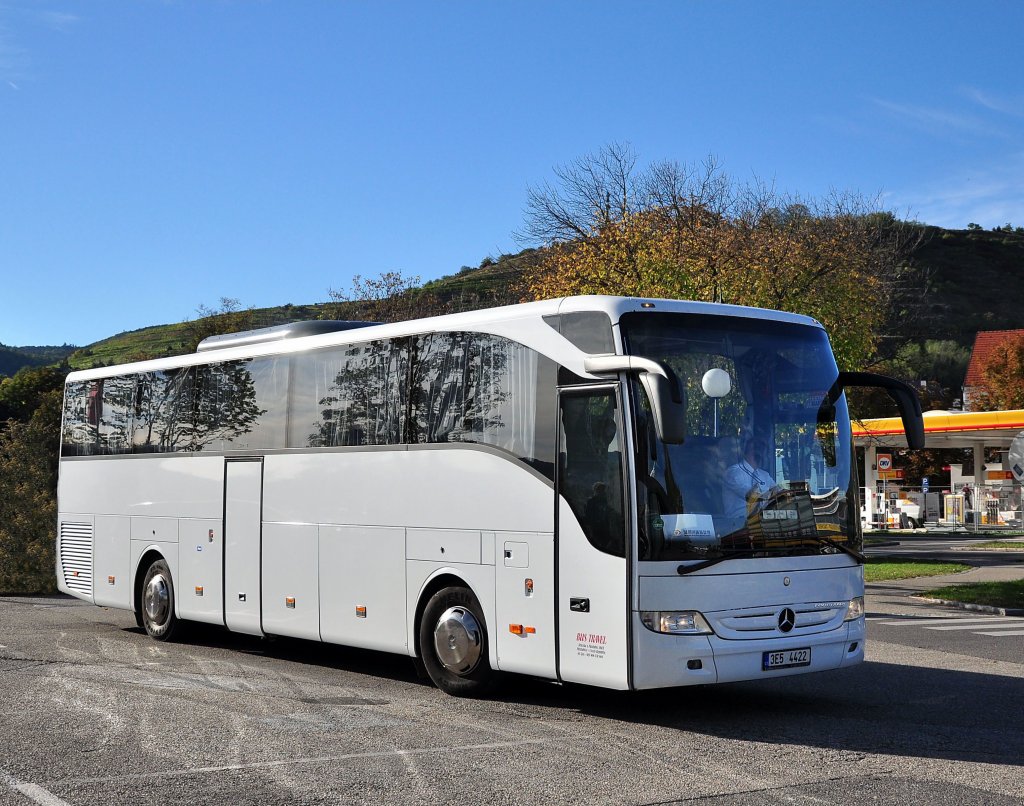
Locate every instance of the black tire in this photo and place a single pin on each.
(454, 617)
(156, 603)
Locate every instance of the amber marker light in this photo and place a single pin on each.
(289, 601)
(515, 629)
(360, 611)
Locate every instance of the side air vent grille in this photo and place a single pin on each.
(76, 556)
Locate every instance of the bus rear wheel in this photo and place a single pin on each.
(453, 643)
(157, 605)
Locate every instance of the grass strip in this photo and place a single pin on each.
(1004, 545)
(993, 594)
(885, 569)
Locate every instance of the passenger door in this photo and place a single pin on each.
(592, 536)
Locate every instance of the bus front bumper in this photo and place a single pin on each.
(661, 661)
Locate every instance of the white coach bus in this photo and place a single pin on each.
(621, 492)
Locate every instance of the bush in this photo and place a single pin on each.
(28, 500)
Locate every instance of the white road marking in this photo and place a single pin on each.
(309, 760)
(34, 792)
(932, 620)
(996, 624)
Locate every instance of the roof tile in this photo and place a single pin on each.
(984, 342)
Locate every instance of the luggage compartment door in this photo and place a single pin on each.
(243, 541)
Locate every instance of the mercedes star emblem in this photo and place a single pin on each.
(787, 620)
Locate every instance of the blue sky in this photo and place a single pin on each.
(158, 155)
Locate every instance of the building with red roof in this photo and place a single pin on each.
(984, 343)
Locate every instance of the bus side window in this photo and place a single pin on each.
(590, 479)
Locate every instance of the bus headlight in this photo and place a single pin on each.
(855, 609)
(676, 622)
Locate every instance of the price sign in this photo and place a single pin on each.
(884, 461)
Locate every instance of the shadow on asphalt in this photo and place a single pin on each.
(349, 659)
(872, 708)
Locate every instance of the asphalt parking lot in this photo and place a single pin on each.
(93, 711)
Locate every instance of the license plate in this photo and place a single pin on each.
(786, 659)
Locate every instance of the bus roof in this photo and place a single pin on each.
(523, 322)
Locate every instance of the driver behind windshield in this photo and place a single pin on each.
(747, 484)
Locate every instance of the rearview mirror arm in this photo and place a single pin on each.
(664, 391)
(903, 394)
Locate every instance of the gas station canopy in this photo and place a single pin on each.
(976, 430)
(945, 429)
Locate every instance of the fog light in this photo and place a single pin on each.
(855, 609)
(676, 622)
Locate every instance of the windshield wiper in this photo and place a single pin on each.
(845, 549)
(682, 570)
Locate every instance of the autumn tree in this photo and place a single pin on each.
(691, 232)
(1002, 373)
(230, 316)
(391, 296)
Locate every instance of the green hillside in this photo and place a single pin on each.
(14, 358)
(494, 282)
(163, 340)
(973, 280)
(976, 282)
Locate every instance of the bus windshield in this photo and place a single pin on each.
(765, 469)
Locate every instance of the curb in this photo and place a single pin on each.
(974, 608)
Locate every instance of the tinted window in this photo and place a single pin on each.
(453, 388)
(162, 404)
(590, 468)
(82, 402)
(351, 395)
(240, 405)
(472, 387)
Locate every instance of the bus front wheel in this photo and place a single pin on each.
(453, 643)
(157, 605)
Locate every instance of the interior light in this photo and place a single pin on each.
(716, 383)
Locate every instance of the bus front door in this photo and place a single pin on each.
(593, 637)
(243, 513)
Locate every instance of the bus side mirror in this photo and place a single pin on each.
(665, 393)
(902, 393)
